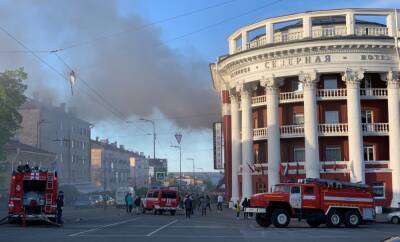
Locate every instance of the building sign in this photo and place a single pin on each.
(217, 141)
(291, 61)
(160, 176)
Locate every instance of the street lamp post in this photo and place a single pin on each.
(154, 134)
(194, 174)
(180, 165)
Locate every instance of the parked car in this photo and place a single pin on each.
(394, 217)
(96, 200)
(109, 200)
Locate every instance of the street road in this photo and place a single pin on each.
(115, 225)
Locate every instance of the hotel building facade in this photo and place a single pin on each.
(314, 95)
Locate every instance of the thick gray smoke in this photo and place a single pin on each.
(134, 71)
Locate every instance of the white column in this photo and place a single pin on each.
(273, 134)
(244, 40)
(236, 145)
(394, 134)
(247, 141)
(307, 27)
(350, 23)
(391, 25)
(312, 166)
(232, 46)
(355, 136)
(269, 33)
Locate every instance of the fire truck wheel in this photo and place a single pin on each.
(280, 218)
(352, 219)
(334, 218)
(263, 220)
(395, 220)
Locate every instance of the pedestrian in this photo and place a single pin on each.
(237, 209)
(60, 205)
(245, 204)
(188, 206)
(220, 200)
(126, 202)
(138, 202)
(203, 206)
(129, 201)
(208, 200)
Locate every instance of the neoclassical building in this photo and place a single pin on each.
(314, 95)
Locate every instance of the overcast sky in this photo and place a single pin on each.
(144, 59)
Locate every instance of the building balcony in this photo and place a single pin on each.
(323, 94)
(297, 167)
(324, 130)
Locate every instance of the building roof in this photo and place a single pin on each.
(14, 145)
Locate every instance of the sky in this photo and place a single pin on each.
(137, 59)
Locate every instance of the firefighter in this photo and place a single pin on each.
(60, 205)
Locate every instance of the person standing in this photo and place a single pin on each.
(60, 205)
(126, 202)
(188, 206)
(245, 204)
(203, 206)
(208, 201)
(220, 200)
(237, 209)
(138, 202)
(129, 201)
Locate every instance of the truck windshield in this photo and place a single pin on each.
(281, 188)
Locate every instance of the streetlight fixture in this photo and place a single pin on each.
(152, 121)
(194, 174)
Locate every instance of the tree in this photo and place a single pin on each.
(11, 98)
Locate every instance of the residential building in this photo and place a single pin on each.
(316, 95)
(55, 130)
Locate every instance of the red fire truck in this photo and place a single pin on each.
(317, 201)
(161, 200)
(33, 195)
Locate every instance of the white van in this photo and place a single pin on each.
(120, 195)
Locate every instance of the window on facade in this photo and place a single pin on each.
(299, 154)
(298, 118)
(367, 82)
(368, 152)
(261, 187)
(331, 117)
(297, 86)
(333, 153)
(330, 83)
(378, 189)
(367, 116)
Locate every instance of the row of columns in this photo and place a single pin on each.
(242, 146)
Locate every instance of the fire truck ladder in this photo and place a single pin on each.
(49, 195)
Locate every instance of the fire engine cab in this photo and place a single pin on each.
(161, 200)
(33, 194)
(317, 201)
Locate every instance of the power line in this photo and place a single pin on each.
(146, 25)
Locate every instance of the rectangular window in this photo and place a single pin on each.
(369, 152)
(297, 86)
(298, 118)
(333, 153)
(367, 116)
(299, 154)
(331, 117)
(330, 83)
(367, 82)
(378, 190)
(295, 190)
(261, 187)
(308, 190)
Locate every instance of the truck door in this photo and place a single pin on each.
(310, 196)
(295, 197)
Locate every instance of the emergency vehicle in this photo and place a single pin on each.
(33, 195)
(161, 200)
(317, 201)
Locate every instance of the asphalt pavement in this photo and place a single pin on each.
(115, 225)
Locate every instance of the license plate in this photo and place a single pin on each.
(255, 210)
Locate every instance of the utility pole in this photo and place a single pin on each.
(178, 138)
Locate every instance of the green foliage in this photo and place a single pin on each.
(11, 98)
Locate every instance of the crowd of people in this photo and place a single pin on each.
(132, 204)
(201, 204)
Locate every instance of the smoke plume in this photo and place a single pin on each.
(134, 71)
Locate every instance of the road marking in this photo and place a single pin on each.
(102, 227)
(161, 228)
